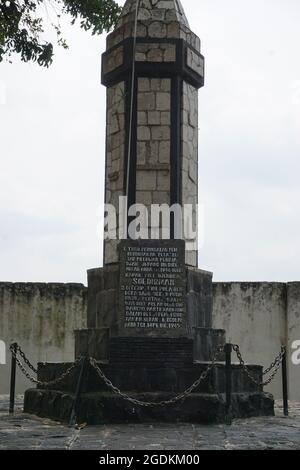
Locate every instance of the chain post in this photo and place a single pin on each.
(14, 349)
(74, 412)
(285, 384)
(228, 352)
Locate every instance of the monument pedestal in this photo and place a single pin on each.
(153, 362)
(150, 371)
(131, 303)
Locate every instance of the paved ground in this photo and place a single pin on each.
(20, 431)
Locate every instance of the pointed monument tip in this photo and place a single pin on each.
(155, 10)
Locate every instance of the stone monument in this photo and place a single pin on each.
(149, 318)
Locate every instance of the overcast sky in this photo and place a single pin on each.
(52, 127)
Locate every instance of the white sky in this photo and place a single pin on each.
(52, 126)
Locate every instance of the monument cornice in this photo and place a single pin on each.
(176, 68)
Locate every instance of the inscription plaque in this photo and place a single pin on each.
(153, 285)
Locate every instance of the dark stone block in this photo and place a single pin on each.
(161, 352)
(105, 408)
(50, 371)
(136, 377)
(107, 310)
(101, 282)
(246, 405)
(206, 342)
(93, 342)
(240, 381)
(49, 404)
(200, 298)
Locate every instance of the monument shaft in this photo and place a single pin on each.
(152, 69)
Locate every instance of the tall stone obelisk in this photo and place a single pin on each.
(152, 69)
(150, 308)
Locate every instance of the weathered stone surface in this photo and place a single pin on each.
(165, 118)
(157, 29)
(115, 142)
(143, 133)
(189, 175)
(161, 20)
(103, 282)
(158, 12)
(160, 84)
(146, 180)
(161, 132)
(163, 181)
(113, 60)
(206, 343)
(150, 353)
(146, 101)
(92, 342)
(106, 408)
(41, 317)
(164, 154)
(154, 118)
(24, 432)
(153, 145)
(170, 370)
(144, 197)
(161, 197)
(195, 62)
(155, 52)
(145, 29)
(163, 101)
(175, 377)
(200, 298)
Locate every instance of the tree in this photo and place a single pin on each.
(22, 26)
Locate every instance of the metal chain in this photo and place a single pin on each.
(22, 354)
(277, 362)
(15, 349)
(172, 401)
(41, 383)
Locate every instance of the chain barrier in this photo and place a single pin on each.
(277, 360)
(27, 362)
(172, 401)
(33, 379)
(16, 349)
(276, 364)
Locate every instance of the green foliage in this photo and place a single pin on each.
(21, 27)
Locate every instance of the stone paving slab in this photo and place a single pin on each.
(21, 431)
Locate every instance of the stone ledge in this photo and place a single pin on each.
(141, 378)
(104, 408)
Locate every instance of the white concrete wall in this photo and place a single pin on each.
(260, 317)
(41, 318)
(293, 316)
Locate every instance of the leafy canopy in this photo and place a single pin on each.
(22, 26)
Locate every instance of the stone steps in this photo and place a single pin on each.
(134, 377)
(107, 408)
